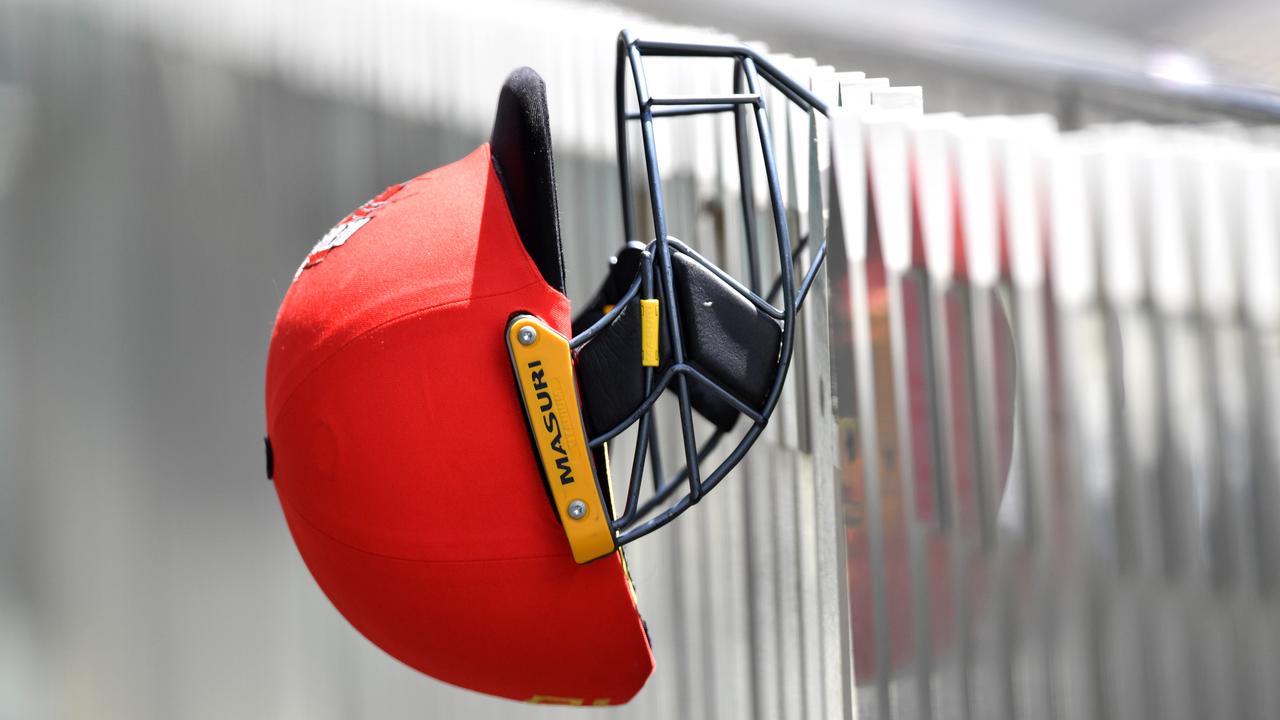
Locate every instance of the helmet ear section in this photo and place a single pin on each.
(726, 338)
(521, 147)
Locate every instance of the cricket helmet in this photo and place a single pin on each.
(438, 421)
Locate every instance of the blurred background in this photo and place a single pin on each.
(164, 167)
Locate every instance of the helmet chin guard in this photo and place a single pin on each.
(668, 319)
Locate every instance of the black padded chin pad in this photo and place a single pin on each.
(609, 374)
(521, 145)
(726, 337)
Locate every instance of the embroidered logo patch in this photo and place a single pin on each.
(340, 233)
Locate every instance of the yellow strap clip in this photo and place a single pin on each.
(649, 332)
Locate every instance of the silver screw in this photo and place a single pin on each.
(577, 509)
(527, 335)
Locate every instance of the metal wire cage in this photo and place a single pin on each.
(655, 279)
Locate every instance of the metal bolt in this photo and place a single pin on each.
(527, 335)
(577, 509)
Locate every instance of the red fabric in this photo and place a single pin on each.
(405, 469)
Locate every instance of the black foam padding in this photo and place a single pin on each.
(609, 372)
(610, 377)
(725, 336)
(521, 145)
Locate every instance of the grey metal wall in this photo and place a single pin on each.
(161, 175)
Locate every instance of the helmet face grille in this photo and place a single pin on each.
(724, 344)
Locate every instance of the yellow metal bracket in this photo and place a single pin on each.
(544, 371)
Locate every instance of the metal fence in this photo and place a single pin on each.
(1025, 465)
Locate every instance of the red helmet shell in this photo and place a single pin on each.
(403, 463)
